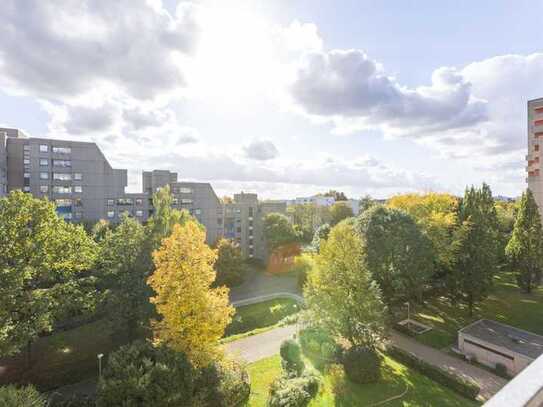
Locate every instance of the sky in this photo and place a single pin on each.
(284, 98)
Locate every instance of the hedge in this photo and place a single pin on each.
(466, 388)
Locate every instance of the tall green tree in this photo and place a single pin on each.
(307, 218)
(43, 261)
(397, 254)
(475, 248)
(340, 211)
(125, 276)
(229, 266)
(525, 248)
(340, 293)
(279, 231)
(321, 234)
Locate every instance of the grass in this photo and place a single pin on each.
(63, 358)
(261, 315)
(421, 391)
(506, 304)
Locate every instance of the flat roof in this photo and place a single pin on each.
(506, 336)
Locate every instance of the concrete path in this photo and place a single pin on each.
(256, 347)
(489, 383)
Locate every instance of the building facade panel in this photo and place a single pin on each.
(533, 158)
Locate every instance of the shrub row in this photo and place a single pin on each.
(460, 385)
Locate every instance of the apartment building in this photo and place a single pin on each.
(77, 177)
(535, 138)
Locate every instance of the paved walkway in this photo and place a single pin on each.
(260, 346)
(489, 383)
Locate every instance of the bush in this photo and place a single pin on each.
(462, 386)
(293, 392)
(141, 374)
(501, 370)
(291, 359)
(28, 396)
(222, 384)
(319, 346)
(362, 365)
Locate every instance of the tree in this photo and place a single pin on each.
(27, 396)
(475, 248)
(366, 202)
(306, 218)
(340, 293)
(320, 234)
(340, 211)
(525, 248)
(141, 374)
(194, 315)
(42, 265)
(506, 212)
(397, 254)
(229, 266)
(337, 195)
(436, 215)
(124, 274)
(278, 230)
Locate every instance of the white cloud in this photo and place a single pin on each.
(261, 150)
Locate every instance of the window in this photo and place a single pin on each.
(26, 161)
(44, 148)
(197, 211)
(59, 189)
(63, 203)
(538, 110)
(139, 213)
(26, 147)
(62, 163)
(78, 189)
(27, 175)
(110, 214)
(78, 176)
(26, 189)
(186, 201)
(238, 210)
(139, 201)
(44, 162)
(110, 202)
(62, 176)
(251, 210)
(184, 190)
(44, 189)
(78, 202)
(62, 150)
(125, 201)
(78, 215)
(44, 175)
(538, 122)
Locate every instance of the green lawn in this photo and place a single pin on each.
(261, 315)
(506, 304)
(421, 391)
(63, 358)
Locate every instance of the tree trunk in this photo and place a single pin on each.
(28, 354)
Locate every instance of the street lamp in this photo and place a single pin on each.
(408, 314)
(100, 356)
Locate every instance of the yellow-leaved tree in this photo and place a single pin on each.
(194, 315)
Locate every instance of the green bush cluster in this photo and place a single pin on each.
(460, 385)
(319, 347)
(501, 370)
(142, 374)
(291, 358)
(293, 392)
(27, 396)
(362, 365)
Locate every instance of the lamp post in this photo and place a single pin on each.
(408, 314)
(100, 356)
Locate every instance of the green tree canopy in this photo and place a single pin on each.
(340, 293)
(525, 248)
(475, 248)
(124, 276)
(278, 230)
(321, 234)
(229, 266)
(42, 265)
(340, 211)
(397, 254)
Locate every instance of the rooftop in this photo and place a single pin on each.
(506, 336)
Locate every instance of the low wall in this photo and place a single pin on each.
(268, 297)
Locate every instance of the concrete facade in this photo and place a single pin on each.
(491, 343)
(77, 177)
(533, 158)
